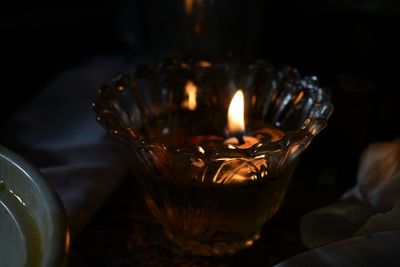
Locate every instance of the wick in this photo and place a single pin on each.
(237, 135)
(240, 139)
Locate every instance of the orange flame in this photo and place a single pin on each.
(236, 113)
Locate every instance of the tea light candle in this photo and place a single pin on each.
(235, 132)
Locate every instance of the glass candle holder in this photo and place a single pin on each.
(210, 184)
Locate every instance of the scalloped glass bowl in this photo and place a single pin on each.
(212, 196)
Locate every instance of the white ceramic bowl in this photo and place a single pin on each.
(33, 223)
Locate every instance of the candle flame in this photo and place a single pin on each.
(190, 101)
(236, 113)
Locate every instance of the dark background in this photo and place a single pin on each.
(352, 46)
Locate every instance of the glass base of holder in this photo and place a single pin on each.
(210, 248)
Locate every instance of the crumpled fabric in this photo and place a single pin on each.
(373, 205)
(377, 249)
(59, 134)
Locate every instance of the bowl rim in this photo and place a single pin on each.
(106, 114)
(58, 254)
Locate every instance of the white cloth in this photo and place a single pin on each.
(378, 249)
(378, 178)
(58, 132)
(373, 205)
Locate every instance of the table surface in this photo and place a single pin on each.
(124, 233)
